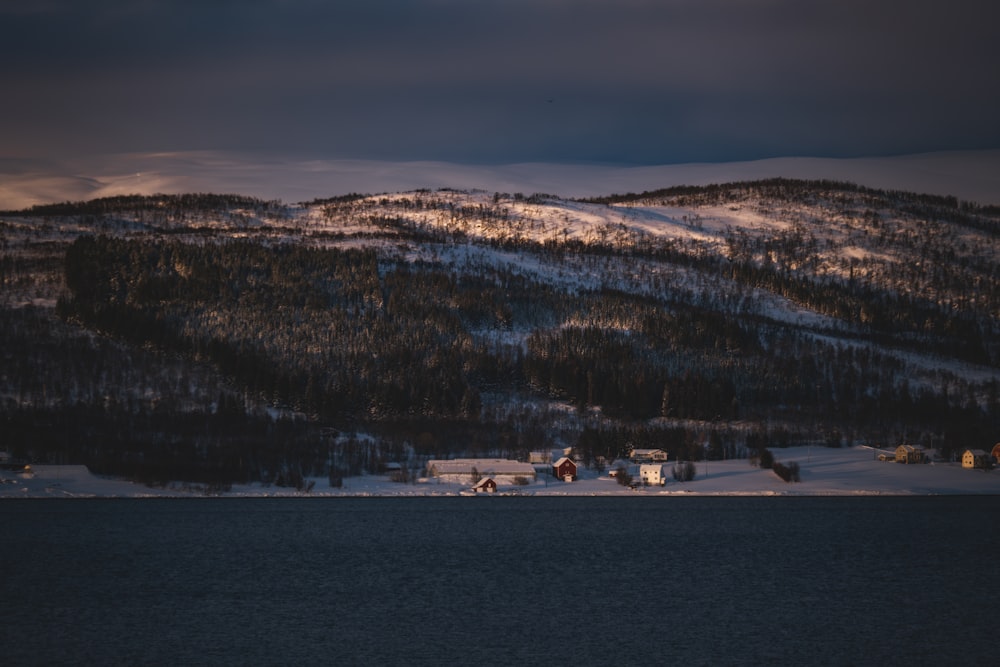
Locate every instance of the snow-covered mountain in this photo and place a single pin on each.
(709, 321)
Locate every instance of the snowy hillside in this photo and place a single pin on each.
(220, 338)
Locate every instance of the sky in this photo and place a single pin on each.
(636, 82)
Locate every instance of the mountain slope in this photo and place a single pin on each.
(704, 320)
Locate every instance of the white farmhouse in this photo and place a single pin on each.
(652, 474)
(649, 455)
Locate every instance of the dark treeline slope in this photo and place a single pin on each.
(173, 353)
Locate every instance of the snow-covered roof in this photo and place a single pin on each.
(483, 466)
(563, 460)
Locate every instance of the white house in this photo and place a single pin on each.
(652, 474)
(649, 455)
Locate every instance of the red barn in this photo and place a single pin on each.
(565, 469)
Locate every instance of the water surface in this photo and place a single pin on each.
(547, 581)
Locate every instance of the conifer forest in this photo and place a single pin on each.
(222, 339)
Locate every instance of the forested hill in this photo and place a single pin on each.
(223, 338)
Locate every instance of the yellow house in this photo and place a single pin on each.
(909, 454)
(975, 458)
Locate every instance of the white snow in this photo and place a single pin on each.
(854, 471)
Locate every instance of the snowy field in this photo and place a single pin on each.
(824, 472)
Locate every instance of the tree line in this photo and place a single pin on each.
(359, 340)
(172, 337)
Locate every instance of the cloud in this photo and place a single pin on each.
(971, 176)
(636, 81)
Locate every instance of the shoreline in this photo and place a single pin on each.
(845, 472)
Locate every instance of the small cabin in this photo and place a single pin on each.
(564, 469)
(616, 465)
(995, 453)
(485, 485)
(975, 458)
(910, 454)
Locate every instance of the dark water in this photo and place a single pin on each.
(549, 581)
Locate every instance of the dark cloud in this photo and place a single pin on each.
(497, 81)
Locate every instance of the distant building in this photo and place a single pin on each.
(975, 458)
(461, 470)
(564, 469)
(995, 453)
(616, 465)
(910, 454)
(652, 474)
(649, 455)
(485, 485)
(9, 464)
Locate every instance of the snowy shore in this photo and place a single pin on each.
(824, 472)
